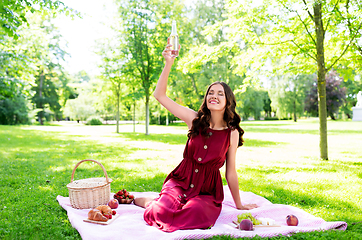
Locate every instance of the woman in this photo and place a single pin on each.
(192, 193)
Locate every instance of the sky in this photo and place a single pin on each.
(82, 33)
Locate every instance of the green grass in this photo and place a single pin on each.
(279, 161)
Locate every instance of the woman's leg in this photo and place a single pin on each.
(200, 212)
(143, 201)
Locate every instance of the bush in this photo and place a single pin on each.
(94, 121)
(276, 118)
(13, 111)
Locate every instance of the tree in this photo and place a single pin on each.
(251, 102)
(288, 93)
(47, 54)
(13, 13)
(335, 98)
(302, 37)
(144, 30)
(196, 69)
(31, 69)
(13, 103)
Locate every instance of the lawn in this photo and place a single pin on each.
(278, 161)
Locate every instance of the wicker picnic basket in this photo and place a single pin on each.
(90, 192)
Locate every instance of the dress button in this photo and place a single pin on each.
(205, 146)
(179, 196)
(196, 170)
(210, 133)
(191, 185)
(184, 195)
(199, 159)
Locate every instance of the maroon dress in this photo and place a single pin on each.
(192, 193)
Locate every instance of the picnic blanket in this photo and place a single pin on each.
(130, 224)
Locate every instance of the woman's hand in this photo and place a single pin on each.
(248, 206)
(167, 53)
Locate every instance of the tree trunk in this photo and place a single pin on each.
(118, 93)
(194, 85)
(322, 106)
(294, 111)
(40, 114)
(147, 112)
(134, 116)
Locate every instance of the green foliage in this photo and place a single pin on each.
(80, 108)
(200, 65)
(13, 110)
(30, 67)
(288, 94)
(94, 120)
(292, 37)
(251, 102)
(14, 13)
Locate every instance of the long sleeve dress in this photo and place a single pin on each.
(192, 193)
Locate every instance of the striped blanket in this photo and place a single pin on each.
(130, 224)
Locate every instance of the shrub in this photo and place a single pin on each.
(94, 121)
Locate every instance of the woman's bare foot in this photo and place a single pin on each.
(143, 201)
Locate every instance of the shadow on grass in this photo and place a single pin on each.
(264, 129)
(174, 139)
(181, 139)
(261, 143)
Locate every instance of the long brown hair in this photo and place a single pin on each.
(232, 119)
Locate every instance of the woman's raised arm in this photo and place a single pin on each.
(184, 113)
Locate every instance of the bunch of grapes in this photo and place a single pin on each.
(250, 217)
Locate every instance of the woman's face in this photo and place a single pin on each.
(216, 99)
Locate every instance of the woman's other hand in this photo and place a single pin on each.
(248, 206)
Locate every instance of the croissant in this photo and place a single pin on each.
(96, 215)
(105, 210)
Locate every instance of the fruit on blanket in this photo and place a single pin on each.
(246, 224)
(292, 220)
(123, 196)
(113, 203)
(250, 217)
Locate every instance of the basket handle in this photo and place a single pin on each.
(89, 160)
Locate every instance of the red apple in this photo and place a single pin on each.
(113, 203)
(246, 224)
(292, 220)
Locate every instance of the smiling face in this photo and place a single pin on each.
(216, 99)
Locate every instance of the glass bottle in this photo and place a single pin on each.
(174, 41)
